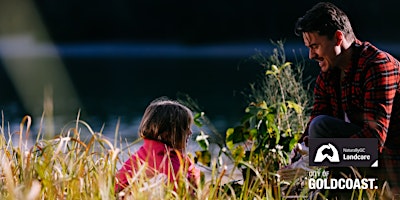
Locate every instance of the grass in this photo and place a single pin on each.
(70, 167)
(65, 167)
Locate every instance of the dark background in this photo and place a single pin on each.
(121, 54)
(199, 22)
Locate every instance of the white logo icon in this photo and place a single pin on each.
(320, 157)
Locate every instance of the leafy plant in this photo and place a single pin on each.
(271, 125)
(274, 118)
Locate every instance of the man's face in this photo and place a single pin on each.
(322, 49)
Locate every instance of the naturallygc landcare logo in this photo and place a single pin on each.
(342, 152)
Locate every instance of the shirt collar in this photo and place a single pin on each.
(354, 57)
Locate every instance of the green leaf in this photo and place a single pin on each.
(285, 65)
(253, 133)
(252, 109)
(269, 72)
(275, 68)
(272, 108)
(198, 115)
(236, 135)
(283, 108)
(292, 143)
(229, 140)
(297, 108)
(239, 153)
(262, 105)
(270, 118)
(202, 140)
(196, 119)
(277, 133)
(203, 144)
(204, 157)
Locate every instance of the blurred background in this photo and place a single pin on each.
(109, 59)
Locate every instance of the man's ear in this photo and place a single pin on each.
(339, 36)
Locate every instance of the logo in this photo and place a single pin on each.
(322, 153)
(319, 180)
(343, 152)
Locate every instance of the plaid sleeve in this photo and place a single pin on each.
(380, 85)
(322, 104)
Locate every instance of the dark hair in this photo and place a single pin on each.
(167, 121)
(325, 19)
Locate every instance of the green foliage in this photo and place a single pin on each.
(270, 126)
(274, 118)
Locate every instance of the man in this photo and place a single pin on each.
(357, 93)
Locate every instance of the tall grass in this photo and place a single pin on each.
(65, 167)
(71, 166)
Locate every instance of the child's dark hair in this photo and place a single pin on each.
(167, 121)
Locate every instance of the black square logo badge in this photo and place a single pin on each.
(343, 152)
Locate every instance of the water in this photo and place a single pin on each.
(115, 82)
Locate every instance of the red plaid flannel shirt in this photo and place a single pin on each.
(369, 94)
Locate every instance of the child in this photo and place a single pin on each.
(165, 129)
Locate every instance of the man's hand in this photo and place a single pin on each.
(299, 166)
(299, 150)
